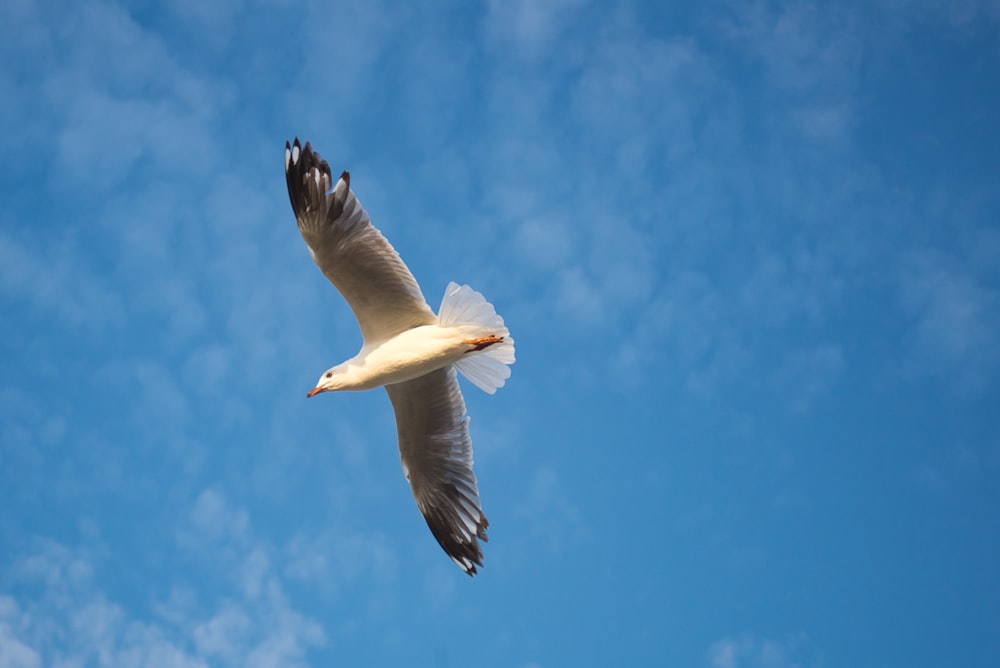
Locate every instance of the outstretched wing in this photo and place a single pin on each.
(436, 452)
(349, 250)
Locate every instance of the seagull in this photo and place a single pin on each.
(407, 349)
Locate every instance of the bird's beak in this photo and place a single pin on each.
(313, 392)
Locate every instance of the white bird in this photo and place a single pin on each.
(408, 349)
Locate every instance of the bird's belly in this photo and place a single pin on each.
(412, 354)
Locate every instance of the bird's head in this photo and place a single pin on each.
(331, 381)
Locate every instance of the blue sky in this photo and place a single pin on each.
(750, 253)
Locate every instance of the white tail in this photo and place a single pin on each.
(487, 369)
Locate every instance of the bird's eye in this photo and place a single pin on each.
(329, 374)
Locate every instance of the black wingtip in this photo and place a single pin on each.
(289, 145)
(299, 162)
(467, 553)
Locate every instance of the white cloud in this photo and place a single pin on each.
(902, 15)
(693, 278)
(58, 282)
(568, 159)
(14, 652)
(954, 466)
(625, 190)
(214, 520)
(254, 574)
(750, 651)
(546, 242)
(244, 619)
(71, 623)
(217, 21)
(553, 518)
(696, 331)
(335, 76)
(955, 311)
(221, 635)
(332, 559)
(811, 54)
(805, 376)
(114, 92)
(532, 28)
(162, 403)
(268, 633)
(206, 369)
(832, 122)
(59, 568)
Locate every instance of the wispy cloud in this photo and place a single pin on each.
(58, 283)
(249, 622)
(556, 523)
(750, 651)
(332, 559)
(531, 28)
(214, 521)
(681, 212)
(807, 375)
(955, 309)
(808, 51)
(14, 652)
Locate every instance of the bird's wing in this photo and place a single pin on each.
(349, 250)
(436, 452)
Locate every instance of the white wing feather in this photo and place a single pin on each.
(350, 251)
(436, 453)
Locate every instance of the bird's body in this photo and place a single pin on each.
(407, 349)
(410, 354)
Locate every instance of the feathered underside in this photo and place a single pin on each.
(436, 453)
(349, 250)
(434, 443)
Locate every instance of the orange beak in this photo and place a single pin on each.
(313, 392)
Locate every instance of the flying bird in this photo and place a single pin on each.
(407, 349)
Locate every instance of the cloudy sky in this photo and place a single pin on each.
(750, 253)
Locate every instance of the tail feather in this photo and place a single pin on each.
(486, 369)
